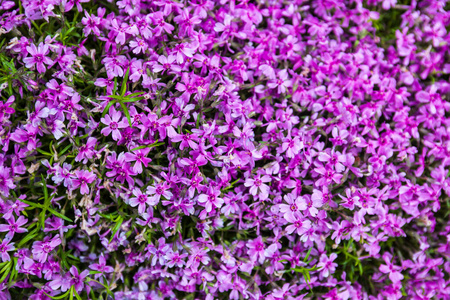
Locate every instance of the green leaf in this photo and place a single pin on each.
(307, 254)
(116, 228)
(126, 112)
(14, 272)
(155, 144)
(115, 97)
(231, 185)
(133, 100)
(76, 295)
(6, 270)
(44, 186)
(28, 237)
(115, 85)
(135, 94)
(44, 152)
(106, 110)
(71, 292)
(47, 202)
(59, 296)
(59, 215)
(36, 205)
(123, 89)
(197, 122)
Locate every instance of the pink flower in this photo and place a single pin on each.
(298, 223)
(114, 123)
(257, 186)
(391, 269)
(14, 226)
(140, 200)
(83, 178)
(326, 264)
(38, 57)
(291, 146)
(5, 247)
(139, 45)
(211, 199)
(41, 250)
(293, 205)
(256, 249)
(161, 189)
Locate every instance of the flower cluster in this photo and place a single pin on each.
(211, 149)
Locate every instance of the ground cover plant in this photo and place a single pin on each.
(216, 149)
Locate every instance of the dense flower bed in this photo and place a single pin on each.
(217, 149)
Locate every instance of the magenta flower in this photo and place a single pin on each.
(77, 279)
(141, 200)
(82, 178)
(326, 264)
(256, 249)
(211, 200)
(41, 250)
(140, 159)
(38, 57)
(114, 122)
(61, 282)
(5, 247)
(198, 256)
(257, 186)
(87, 151)
(291, 146)
(298, 223)
(14, 226)
(282, 83)
(6, 181)
(6, 109)
(101, 267)
(161, 189)
(174, 258)
(159, 252)
(138, 45)
(91, 23)
(165, 64)
(389, 268)
(293, 205)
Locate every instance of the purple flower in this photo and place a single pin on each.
(175, 259)
(291, 146)
(256, 249)
(81, 179)
(5, 247)
(326, 265)
(211, 199)
(6, 182)
(114, 123)
(391, 269)
(140, 159)
(198, 256)
(257, 186)
(138, 45)
(87, 151)
(293, 205)
(159, 252)
(41, 250)
(14, 226)
(101, 267)
(72, 278)
(38, 57)
(298, 223)
(141, 200)
(6, 109)
(160, 189)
